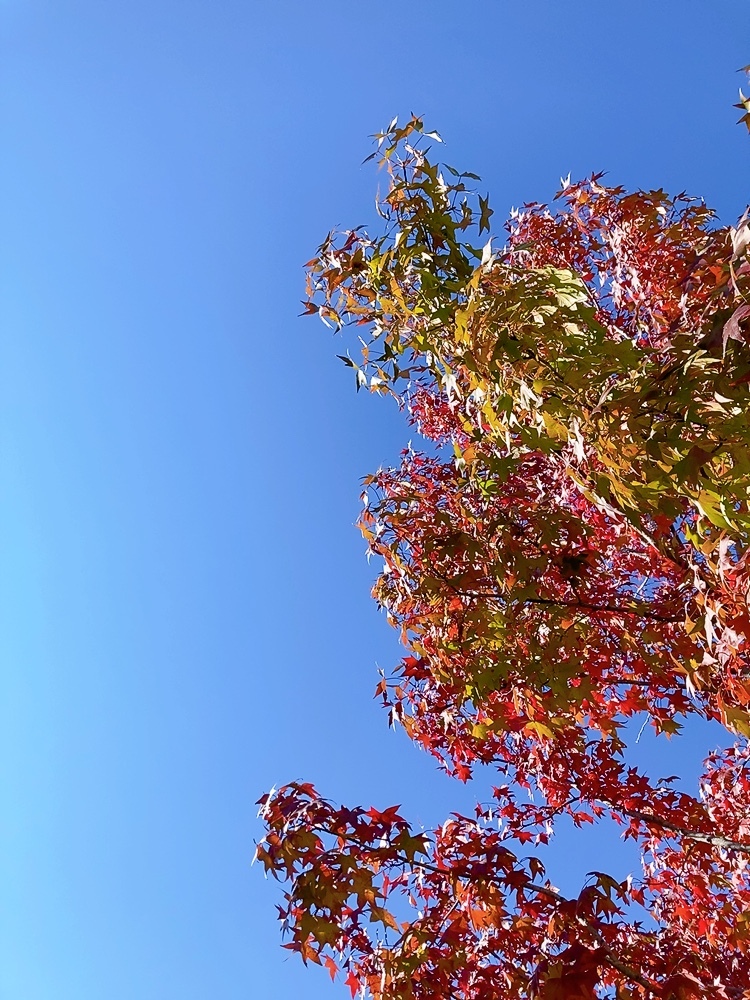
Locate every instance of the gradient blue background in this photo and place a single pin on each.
(184, 615)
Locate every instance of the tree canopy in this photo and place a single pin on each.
(565, 554)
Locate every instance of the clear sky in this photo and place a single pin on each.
(184, 609)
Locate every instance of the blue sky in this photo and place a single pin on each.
(184, 609)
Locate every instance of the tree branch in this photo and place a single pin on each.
(640, 609)
(713, 839)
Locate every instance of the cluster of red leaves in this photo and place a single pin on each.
(533, 608)
(568, 554)
(651, 263)
(586, 556)
(482, 923)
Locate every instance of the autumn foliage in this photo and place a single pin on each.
(566, 556)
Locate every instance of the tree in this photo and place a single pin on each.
(566, 555)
